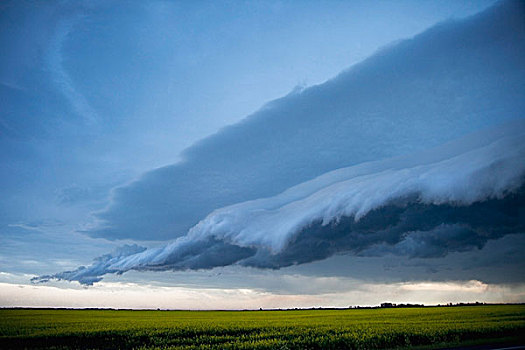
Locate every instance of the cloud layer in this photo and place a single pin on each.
(455, 78)
(452, 198)
(417, 152)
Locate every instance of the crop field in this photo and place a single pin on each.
(430, 327)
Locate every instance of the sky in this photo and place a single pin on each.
(261, 153)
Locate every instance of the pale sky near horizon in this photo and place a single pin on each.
(96, 95)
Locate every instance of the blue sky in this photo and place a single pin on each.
(127, 124)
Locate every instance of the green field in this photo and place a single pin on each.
(298, 329)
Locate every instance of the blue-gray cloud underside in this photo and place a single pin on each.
(453, 198)
(452, 79)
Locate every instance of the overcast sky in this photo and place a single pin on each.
(123, 125)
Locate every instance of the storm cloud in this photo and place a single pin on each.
(418, 151)
(452, 198)
(457, 77)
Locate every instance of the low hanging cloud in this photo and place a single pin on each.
(100, 266)
(453, 79)
(452, 198)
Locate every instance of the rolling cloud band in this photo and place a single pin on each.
(451, 80)
(452, 198)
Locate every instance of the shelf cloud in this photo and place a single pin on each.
(418, 151)
(451, 198)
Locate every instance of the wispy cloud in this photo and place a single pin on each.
(60, 76)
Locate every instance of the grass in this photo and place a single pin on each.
(297, 329)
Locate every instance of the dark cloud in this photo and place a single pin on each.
(454, 78)
(412, 230)
(499, 261)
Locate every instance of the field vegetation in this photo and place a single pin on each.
(429, 327)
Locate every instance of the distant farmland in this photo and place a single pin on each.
(429, 327)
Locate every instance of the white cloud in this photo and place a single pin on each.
(60, 76)
(143, 296)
